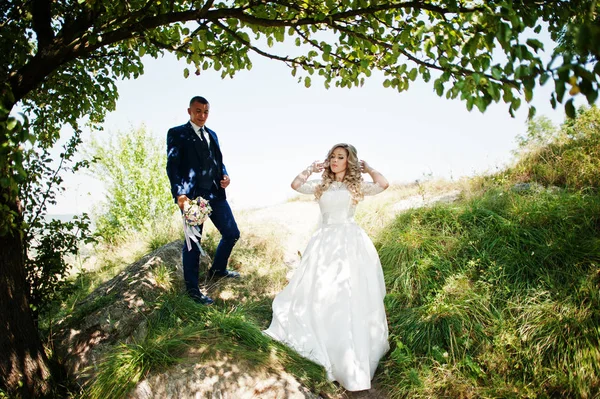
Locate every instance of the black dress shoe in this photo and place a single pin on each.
(202, 299)
(225, 274)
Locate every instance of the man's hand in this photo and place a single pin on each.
(225, 182)
(181, 200)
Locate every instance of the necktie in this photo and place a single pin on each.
(201, 133)
(204, 141)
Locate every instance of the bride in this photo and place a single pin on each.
(332, 309)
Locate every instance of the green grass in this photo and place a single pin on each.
(505, 278)
(498, 294)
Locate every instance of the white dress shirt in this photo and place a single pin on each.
(204, 133)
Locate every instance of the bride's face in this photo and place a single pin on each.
(338, 160)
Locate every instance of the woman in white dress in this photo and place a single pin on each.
(332, 310)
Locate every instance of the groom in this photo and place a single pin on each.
(195, 169)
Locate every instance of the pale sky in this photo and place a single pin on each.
(270, 128)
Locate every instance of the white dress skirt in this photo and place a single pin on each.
(332, 311)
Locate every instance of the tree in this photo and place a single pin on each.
(61, 60)
(48, 242)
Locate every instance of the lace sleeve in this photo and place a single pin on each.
(309, 187)
(371, 188)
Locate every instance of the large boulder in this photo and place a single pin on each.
(115, 312)
(223, 379)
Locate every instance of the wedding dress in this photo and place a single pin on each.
(332, 309)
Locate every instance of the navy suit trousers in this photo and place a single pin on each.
(223, 219)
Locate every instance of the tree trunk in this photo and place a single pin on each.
(24, 367)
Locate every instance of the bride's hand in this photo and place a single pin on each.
(364, 167)
(316, 167)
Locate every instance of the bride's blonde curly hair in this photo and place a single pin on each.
(353, 177)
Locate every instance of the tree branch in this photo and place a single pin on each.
(345, 15)
(41, 16)
(455, 70)
(286, 60)
(317, 45)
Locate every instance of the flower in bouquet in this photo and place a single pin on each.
(195, 213)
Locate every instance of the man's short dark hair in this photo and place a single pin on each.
(198, 99)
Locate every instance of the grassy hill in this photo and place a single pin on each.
(498, 294)
(493, 295)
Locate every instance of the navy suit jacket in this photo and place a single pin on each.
(189, 163)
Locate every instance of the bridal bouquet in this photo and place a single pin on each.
(195, 212)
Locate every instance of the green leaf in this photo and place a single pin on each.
(470, 102)
(507, 97)
(412, 75)
(480, 103)
(535, 44)
(497, 72)
(559, 88)
(570, 109)
(439, 88)
(307, 82)
(11, 124)
(186, 73)
(528, 95)
(516, 103)
(485, 64)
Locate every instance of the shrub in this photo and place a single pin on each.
(132, 166)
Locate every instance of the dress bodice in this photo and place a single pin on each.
(336, 203)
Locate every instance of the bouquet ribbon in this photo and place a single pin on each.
(192, 233)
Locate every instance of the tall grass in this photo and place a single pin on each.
(568, 157)
(498, 294)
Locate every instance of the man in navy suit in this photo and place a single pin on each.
(195, 169)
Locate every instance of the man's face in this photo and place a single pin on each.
(198, 113)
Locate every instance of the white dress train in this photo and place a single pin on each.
(332, 310)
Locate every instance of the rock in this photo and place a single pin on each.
(519, 187)
(114, 312)
(225, 379)
(527, 187)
